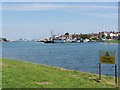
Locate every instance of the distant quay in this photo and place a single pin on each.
(77, 38)
(104, 36)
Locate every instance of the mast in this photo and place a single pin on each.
(51, 32)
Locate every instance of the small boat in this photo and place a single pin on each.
(59, 40)
(49, 42)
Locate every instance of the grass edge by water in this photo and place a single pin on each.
(49, 76)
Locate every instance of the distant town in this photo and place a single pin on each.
(74, 38)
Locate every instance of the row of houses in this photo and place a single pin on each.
(84, 37)
(109, 35)
(100, 35)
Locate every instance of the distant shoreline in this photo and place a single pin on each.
(112, 41)
(106, 41)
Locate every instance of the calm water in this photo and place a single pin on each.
(75, 56)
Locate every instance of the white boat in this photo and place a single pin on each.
(59, 40)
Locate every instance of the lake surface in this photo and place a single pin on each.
(75, 56)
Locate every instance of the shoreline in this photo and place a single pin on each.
(55, 67)
(50, 75)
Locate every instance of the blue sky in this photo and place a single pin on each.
(35, 20)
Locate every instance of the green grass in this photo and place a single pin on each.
(19, 74)
(112, 41)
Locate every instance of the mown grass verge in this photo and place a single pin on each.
(112, 41)
(19, 74)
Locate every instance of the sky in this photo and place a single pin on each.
(37, 19)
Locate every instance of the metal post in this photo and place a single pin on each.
(99, 71)
(115, 74)
(99, 67)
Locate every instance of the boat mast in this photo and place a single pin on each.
(51, 32)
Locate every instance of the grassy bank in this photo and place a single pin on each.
(17, 74)
(112, 41)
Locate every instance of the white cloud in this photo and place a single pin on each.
(105, 15)
(40, 6)
(51, 6)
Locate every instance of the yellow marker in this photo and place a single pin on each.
(107, 59)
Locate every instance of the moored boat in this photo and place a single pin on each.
(49, 42)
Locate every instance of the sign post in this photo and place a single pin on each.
(99, 71)
(116, 74)
(107, 57)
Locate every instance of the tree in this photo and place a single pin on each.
(103, 35)
(94, 38)
(4, 39)
(84, 36)
(108, 37)
(67, 33)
